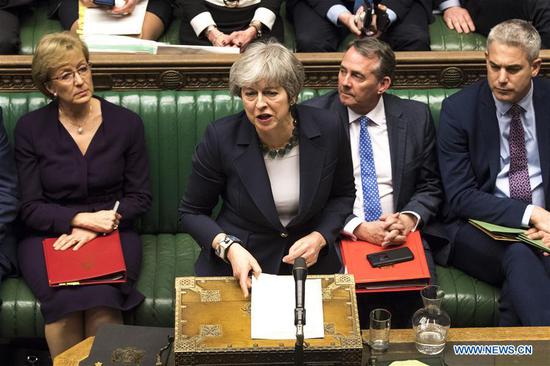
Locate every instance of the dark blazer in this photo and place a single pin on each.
(8, 200)
(415, 174)
(193, 8)
(469, 154)
(229, 163)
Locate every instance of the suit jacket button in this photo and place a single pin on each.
(284, 235)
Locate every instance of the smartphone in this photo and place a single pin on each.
(105, 3)
(388, 257)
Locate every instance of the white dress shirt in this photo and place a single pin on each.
(502, 185)
(378, 132)
(284, 177)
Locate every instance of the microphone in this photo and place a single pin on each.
(299, 271)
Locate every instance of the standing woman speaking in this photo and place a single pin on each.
(283, 171)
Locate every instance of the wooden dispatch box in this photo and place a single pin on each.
(212, 326)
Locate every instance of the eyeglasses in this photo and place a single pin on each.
(67, 77)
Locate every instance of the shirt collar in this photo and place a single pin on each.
(525, 102)
(377, 115)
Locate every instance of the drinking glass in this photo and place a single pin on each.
(379, 330)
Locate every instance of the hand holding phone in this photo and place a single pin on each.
(105, 3)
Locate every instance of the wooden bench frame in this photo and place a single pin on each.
(196, 72)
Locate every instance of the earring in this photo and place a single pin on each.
(55, 94)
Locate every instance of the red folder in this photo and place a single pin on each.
(404, 276)
(98, 261)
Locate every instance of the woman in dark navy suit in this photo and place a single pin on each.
(283, 171)
(75, 158)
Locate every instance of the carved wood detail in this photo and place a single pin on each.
(192, 72)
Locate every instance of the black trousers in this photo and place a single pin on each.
(317, 34)
(488, 13)
(9, 35)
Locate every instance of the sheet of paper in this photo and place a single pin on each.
(273, 304)
(101, 21)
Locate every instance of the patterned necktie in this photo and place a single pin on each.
(518, 176)
(371, 198)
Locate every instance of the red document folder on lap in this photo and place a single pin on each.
(404, 276)
(98, 261)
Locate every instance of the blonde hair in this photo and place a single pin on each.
(51, 52)
(270, 62)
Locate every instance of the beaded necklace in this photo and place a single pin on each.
(282, 151)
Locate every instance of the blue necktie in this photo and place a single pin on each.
(371, 198)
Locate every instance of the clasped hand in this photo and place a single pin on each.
(239, 39)
(389, 229)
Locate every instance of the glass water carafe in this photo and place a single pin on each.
(431, 322)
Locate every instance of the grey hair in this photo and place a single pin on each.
(517, 33)
(270, 62)
(370, 47)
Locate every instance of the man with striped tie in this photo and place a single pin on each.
(494, 154)
(393, 151)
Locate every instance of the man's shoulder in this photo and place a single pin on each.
(470, 93)
(329, 100)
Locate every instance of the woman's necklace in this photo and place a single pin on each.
(80, 126)
(282, 151)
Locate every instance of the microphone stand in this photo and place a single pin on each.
(299, 271)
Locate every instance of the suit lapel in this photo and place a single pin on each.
(397, 132)
(489, 131)
(251, 169)
(312, 160)
(542, 111)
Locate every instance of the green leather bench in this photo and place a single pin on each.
(174, 123)
(36, 23)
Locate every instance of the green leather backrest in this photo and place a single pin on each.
(174, 123)
(35, 23)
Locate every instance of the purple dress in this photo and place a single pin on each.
(57, 182)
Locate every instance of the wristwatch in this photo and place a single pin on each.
(256, 24)
(224, 244)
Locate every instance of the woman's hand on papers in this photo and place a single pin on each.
(536, 234)
(242, 262)
(307, 247)
(77, 238)
(103, 221)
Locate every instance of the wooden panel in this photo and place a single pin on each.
(192, 72)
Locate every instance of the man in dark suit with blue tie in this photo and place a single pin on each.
(8, 204)
(392, 141)
(494, 155)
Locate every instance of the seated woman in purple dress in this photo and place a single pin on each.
(75, 158)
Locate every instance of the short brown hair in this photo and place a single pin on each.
(370, 47)
(50, 53)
